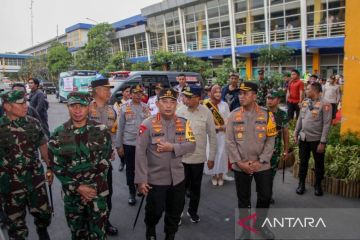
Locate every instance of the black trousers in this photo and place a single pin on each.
(193, 178)
(129, 158)
(108, 199)
(170, 199)
(292, 109)
(334, 110)
(305, 148)
(263, 182)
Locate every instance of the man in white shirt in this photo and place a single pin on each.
(152, 100)
(202, 123)
(331, 94)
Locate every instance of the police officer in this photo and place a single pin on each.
(80, 150)
(311, 133)
(22, 178)
(282, 127)
(161, 142)
(152, 100)
(101, 112)
(131, 116)
(250, 136)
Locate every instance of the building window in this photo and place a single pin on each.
(218, 20)
(195, 27)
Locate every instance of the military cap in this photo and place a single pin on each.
(274, 94)
(101, 81)
(13, 96)
(248, 86)
(168, 93)
(136, 88)
(158, 86)
(192, 90)
(82, 98)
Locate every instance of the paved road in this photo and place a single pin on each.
(216, 207)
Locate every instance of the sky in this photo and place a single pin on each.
(15, 24)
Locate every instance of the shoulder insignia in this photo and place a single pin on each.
(142, 129)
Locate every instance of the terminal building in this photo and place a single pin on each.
(216, 29)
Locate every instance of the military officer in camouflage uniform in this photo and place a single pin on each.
(250, 137)
(22, 177)
(282, 127)
(131, 116)
(264, 85)
(311, 133)
(161, 142)
(80, 150)
(105, 114)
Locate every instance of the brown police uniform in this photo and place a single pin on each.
(163, 171)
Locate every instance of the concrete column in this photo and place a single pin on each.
(232, 32)
(303, 34)
(351, 96)
(148, 46)
(182, 30)
(207, 27)
(248, 23)
(316, 62)
(266, 14)
(165, 35)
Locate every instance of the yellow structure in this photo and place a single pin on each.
(351, 97)
(316, 62)
(248, 64)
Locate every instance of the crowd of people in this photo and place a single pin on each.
(166, 143)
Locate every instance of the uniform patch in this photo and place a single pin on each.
(142, 129)
(327, 108)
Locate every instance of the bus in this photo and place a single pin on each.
(76, 80)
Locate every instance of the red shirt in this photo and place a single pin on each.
(295, 87)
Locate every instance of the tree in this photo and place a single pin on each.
(140, 66)
(222, 72)
(34, 67)
(162, 60)
(80, 60)
(275, 55)
(59, 59)
(119, 61)
(98, 48)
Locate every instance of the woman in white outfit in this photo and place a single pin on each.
(221, 112)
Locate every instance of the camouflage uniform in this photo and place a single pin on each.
(282, 122)
(264, 86)
(79, 156)
(22, 177)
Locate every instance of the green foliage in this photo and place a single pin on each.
(181, 62)
(59, 59)
(140, 66)
(80, 60)
(12, 75)
(334, 135)
(343, 162)
(275, 55)
(222, 72)
(98, 48)
(119, 61)
(34, 67)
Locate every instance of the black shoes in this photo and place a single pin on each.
(170, 236)
(318, 190)
(301, 188)
(132, 199)
(150, 233)
(194, 218)
(110, 229)
(43, 233)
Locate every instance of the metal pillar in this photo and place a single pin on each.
(303, 34)
(232, 32)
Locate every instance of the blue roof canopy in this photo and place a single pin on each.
(129, 22)
(16, 56)
(78, 26)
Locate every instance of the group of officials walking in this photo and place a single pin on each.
(166, 146)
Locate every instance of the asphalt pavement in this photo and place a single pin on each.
(216, 211)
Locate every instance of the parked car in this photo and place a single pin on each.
(148, 79)
(48, 87)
